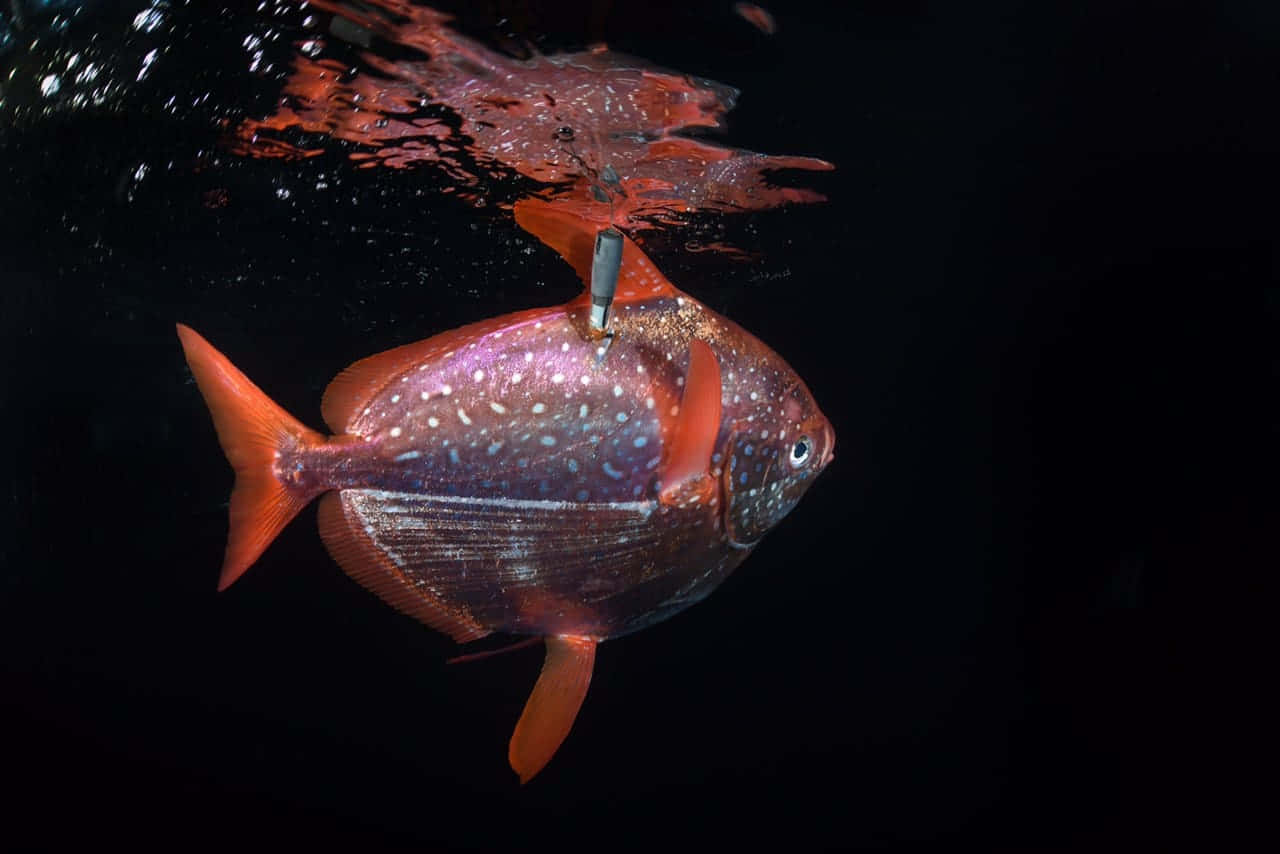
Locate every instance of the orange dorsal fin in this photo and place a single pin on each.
(350, 391)
(687, 475)
(549, 713)
(252, 429)
(574, 238)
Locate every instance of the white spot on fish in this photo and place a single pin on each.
(453, 455)
(539, 408)
(564, 348)
(639, 369)
(497, 407)
(557, 378)
(755, 396)
(640, 441)
(583, 410)
(408, 455)
(573, 466)
(622, 416)
(516, 377)
(478, 375)
(617, 391)
(446, 390)
(462, 416)
(395, 432)
(433, 421)
(679, 380)
(648, 403)
(395, 398)
(494, 448)
(548, 440)
(584, 379)
(764, 434)
(426, 395)
(528, 357)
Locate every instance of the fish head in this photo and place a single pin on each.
(769, 462)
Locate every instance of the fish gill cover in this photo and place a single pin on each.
(597, 133)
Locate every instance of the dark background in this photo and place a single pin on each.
(1021, 609)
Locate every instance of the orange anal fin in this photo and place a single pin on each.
(252, 430)
(350, 546)
(687, 474)
(549, 713)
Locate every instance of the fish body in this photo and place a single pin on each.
(527, 475)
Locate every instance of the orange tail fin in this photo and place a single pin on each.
(252, 430)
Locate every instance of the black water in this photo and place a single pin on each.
(1021, 610)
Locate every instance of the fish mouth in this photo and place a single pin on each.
(828, 442)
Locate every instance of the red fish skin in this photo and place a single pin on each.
(529, 475)
(532, 411)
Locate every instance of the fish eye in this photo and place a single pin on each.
(800, 451)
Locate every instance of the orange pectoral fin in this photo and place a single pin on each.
(549, 713)
(687, 476)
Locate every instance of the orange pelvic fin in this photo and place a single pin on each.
(687, 474)
(252, 430)
(549, 713)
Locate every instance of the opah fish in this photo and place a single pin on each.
(526, 475)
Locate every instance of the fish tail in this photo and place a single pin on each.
(252, 430)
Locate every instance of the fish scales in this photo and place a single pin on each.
(534, 411)
(527, 566)
(531, 411)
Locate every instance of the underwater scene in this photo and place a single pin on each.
(545, 425)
